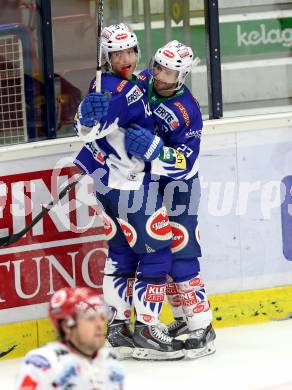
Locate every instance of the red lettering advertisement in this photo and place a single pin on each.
(65, 248)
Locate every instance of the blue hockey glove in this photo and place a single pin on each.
(142, 143)
(92, 108)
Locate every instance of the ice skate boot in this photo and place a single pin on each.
(177, 328)
(152, 343)
(200, 343)
(119, 338)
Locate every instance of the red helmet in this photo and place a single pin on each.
(67, 302)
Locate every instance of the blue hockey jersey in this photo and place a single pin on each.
(178, 121)
(106, 158)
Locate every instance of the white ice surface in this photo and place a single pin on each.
(253, 357)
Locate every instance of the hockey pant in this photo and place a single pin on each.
(139, 258)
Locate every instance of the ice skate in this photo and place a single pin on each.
(177, 328)
(152, 343)
(200, 343)
(120, 339)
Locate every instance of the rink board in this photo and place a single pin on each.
(232, 309)
(246, 208)
(245, 225)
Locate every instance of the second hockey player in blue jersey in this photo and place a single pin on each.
(178, 123)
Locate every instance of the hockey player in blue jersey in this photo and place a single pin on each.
(139, 234)
(178, 123)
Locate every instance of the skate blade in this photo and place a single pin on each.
(152, 354)
(199, 353)
(121, 353)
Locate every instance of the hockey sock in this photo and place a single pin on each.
(174, 300)
(118, 293)
(195, 303)
(148, 296)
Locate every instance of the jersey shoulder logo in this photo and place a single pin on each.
(184, 112)
(134, 95)
(142, 77)
(38, 361)
(194, 133)
(121, 85)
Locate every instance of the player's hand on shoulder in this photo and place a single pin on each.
(142, 143)
(92, 108)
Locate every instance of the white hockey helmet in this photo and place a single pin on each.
(118, 37)
(176, 56)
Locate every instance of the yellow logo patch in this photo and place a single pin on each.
(180, 162)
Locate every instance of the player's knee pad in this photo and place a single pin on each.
(121, 261)
(184, 269)
(156, 264)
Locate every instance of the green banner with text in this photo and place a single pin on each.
(237, 39)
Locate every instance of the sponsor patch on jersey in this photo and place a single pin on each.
(38, 361)
(155, 293)
(121, 85)
(168, 116)
(96, 153)
(116, 376)
(167, 154)
(129, 232)
(184, 112)
(194, 133)
(61, 352)
(28, 383)
(180, 237)
(130, 284)
(100, 158)
(157, 225)
(134, 95)
(142, 77)
(65, 377)
(110, 228)
(181, 162)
